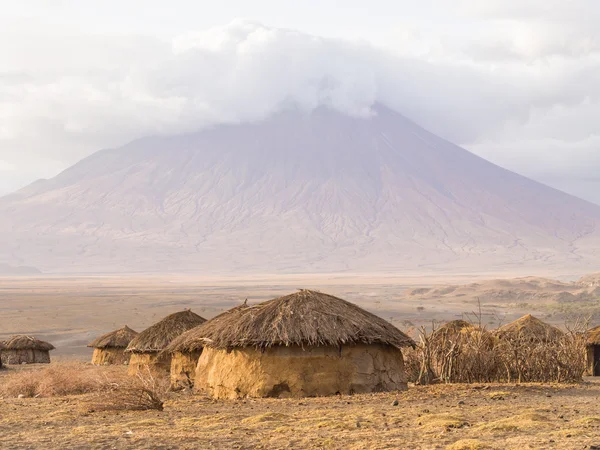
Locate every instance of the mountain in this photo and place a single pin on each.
(5, 269)
(296, 192)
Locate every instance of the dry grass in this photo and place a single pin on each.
(109, 388)
(468, 444)
(52, 381)
(144, 391)
(440, 417)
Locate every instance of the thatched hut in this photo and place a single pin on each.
(304, 344)
(460, 352)
(2, 347)
(593, 352)
(26, 350)
(109, 349)
(529, 329)
(185, 350)
(451, 331)
(146, 348)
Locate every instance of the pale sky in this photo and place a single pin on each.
(515, 81)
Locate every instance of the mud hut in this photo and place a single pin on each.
(146, 348)
(109, 349)
(26, 350)
(529, 329)
(2, 347)
(304, 344)
(593, 351)
(185, 350)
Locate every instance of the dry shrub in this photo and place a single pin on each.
(51, 381)
(541, 360)
(474, 355)
(144, 391)
(110, 388)
(412, 364)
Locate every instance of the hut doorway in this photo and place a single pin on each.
(596, 361)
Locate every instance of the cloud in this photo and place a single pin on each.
(513, 87)
(5, 166)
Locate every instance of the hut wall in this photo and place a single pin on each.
(25, 356)
(297, 372)
(139, 362)
(183, 369)
(110, 356)
(591, 359)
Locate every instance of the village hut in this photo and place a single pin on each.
(304, 344)
(593, 352)
(458, 350)
(146, 348)
(26, 350)
(451, 331)
(529, 329)
(185, 350)
(2, 347)
(109, 349)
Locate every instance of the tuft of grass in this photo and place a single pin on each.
(499, 395)
(516, 423)
(468, 444)
(589, 421)
(266, 417)
(431, 421)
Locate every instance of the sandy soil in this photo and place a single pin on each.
(70, 312)
(435, 417)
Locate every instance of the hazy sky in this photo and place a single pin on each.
(515, 81)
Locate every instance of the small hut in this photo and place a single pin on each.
(2, 347)
(109, 349)
(458, 349)
(593, 352)
(185, 350)
(26, 350)
(146, 348)
(529, 329)
(304, 344)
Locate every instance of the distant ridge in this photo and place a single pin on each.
(295, 193)
(5, 269)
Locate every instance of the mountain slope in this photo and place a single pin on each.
(296, 193)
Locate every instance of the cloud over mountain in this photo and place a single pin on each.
(504, 81)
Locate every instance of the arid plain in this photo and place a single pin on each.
(69, 312)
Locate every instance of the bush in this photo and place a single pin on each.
(144, 391)
(474, 355)
(51, 381)
(110, 388)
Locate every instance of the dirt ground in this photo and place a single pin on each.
(435, 417)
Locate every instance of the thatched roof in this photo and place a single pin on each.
(593, 336)
(305, 318)
(529, 327)
(115, 339)
(193, 340)
(2, 345)
(23, 342)
(451, 330)
(453, 327)
(159, 335)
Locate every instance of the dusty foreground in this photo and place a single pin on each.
(436, 417)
